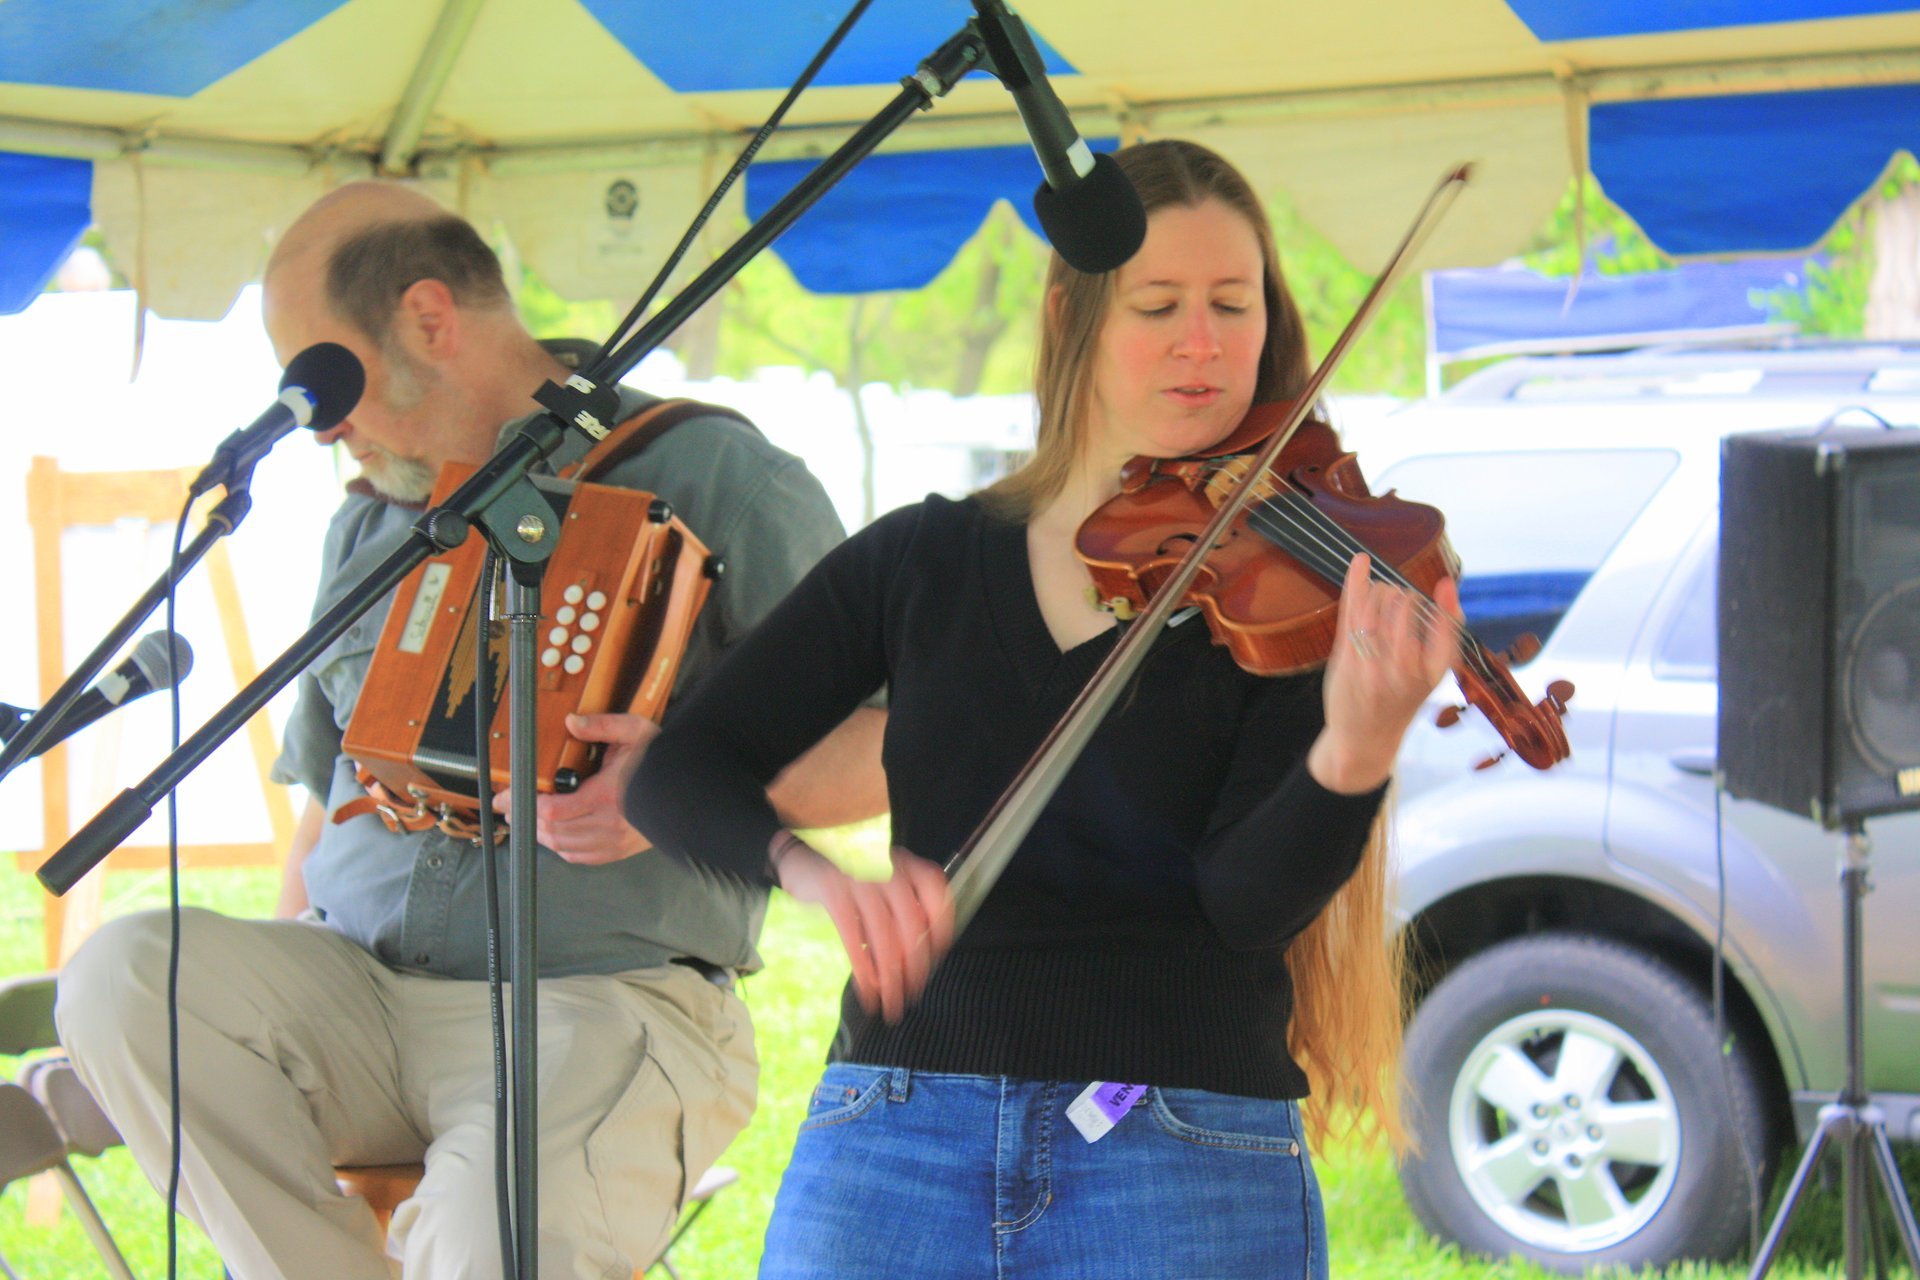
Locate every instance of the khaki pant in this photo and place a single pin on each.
(299, 1052)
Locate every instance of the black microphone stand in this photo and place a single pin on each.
(221, 521)
(503, 503)
(1852, 1119)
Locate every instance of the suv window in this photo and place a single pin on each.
(1691, 648)
(1526, 555)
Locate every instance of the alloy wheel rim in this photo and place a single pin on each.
(1564, 1130)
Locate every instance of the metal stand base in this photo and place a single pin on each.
(1852, 1119)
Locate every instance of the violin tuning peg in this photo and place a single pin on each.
(1559, 694)
(1489, 762)
(1447, 717)
(1524, 649)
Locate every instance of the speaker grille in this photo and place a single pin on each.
(1820, 621)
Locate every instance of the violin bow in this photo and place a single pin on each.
(976, 866)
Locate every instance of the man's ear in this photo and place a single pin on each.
(428, 321)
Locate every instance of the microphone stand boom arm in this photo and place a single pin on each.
(588, 393)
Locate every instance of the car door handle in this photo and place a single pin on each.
(1699, 763)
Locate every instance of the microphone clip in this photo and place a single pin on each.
(592, 407)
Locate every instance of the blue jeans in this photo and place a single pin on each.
(917, 1174)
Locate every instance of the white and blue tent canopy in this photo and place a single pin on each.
(592, 129)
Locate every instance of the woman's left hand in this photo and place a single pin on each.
(1390, 648)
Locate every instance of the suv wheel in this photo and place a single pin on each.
(1570, 1108)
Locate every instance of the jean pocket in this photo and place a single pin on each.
(843, 1094)
(1222, 1120)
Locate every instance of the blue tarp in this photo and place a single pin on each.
(1749, 173)
(45, 205)
(1481, 312)
(932, 200)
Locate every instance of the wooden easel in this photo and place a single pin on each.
(60, 500)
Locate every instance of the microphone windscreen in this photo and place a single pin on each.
(1098, 222)
(332, 378)
(150, 655)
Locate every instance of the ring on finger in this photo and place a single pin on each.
(1361, 644)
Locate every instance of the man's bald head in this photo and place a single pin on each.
(361, 246)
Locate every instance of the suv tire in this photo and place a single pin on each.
(1570, 1108)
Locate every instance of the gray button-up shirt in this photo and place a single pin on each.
(417, 901)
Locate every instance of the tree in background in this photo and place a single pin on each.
(1390, 357)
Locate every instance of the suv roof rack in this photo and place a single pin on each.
(1783, 366)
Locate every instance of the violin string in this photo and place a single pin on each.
(1328, 548)
(1313, 525)
(1332, 561)
(1349, 546)
(1309, 521)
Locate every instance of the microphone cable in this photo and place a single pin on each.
(739, 166)
(1720, 1046)
(173, 907)
(483, 792)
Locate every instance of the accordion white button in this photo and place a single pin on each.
(573, 594)
(550, 658)
(563, 615)
(582, 643)
(557, 636)
(590, 622)
(575, 665)
(598, 600)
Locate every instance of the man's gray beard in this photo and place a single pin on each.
(402, 479)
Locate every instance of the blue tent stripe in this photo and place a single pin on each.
(45, 206)
(1552, 20)
(171, 47)
(703, 46)
(897, 219)
(1760, 172)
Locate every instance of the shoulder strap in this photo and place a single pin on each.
(641, 430)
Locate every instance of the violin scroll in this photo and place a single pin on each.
(1532, 729)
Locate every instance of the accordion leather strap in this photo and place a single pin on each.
(400, 816)
(639, 431)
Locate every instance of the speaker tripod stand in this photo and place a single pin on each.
(1852, 1119)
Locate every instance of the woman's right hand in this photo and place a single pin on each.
(894, 929)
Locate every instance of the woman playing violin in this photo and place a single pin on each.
(1196, 922)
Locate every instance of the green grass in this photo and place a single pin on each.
(794, 1005)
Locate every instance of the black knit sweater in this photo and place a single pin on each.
(1138, 933)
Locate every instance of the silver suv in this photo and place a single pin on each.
(1569, 1089)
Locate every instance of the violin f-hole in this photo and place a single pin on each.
(1174, 546)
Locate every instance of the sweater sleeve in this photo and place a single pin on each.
(1279, 847)
(700, 791)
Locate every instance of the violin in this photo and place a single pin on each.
(1269, 588)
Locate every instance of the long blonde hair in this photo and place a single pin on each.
(1349, 992)
(1346, 969)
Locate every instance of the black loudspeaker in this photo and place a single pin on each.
(1820, 621)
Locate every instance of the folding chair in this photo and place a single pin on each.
(50, 1114)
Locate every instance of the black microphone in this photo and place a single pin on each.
(320, 388)
(140, 673)
(1087, 207)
